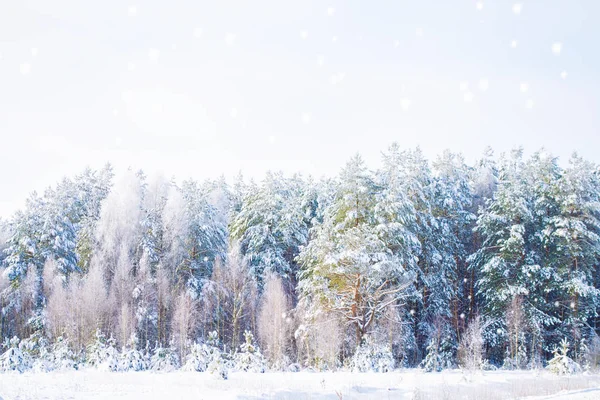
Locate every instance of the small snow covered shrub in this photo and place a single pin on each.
(164, 359)
(561, 363)
(131, 358)
(439, 355)
(591, 353)
(61, 356)
(35, 348)
(200, 356)
(102, 354)
(218, 366)
(249, 358)
(471, 348)
(13, 359)
(208, 357)
(295, 367)
(371, 356)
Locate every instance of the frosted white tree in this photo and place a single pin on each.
(275, 323)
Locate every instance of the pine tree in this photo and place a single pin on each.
(164, 359)
(561, 363)
(347, 267)
(516, 258)
(102, 354)
(13, 359)
(249, 358)
(372, 357)
(270, 226)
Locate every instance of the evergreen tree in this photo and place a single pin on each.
(347, 266)
(271, 226)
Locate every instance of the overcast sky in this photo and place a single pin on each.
(204, 88)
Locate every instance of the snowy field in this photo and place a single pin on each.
(93, 384)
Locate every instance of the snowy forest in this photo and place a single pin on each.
(432, 264)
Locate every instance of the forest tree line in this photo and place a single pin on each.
(415, 260)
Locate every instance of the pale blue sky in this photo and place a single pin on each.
(201, 88)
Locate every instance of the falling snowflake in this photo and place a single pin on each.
(198, 32)
(320, 61)
(462, 316)
(468, 97)
(127, 96)
(396, 43)
(524, 87)
(153, 54)
(306, 118)
(230, 39)
(556, 304)
(34, 52)
(233, 113)
(463, 86)
(132, 11)
(484, 85)
(116, 112)
(330, 11)
(557, 48)
(334, 39)
(514, 44)
(304, 34)
(517, 7)
(405, 103)
(337, 78)
(529, 104)
(25, 68)
(563, 74)
(272, 139)
(479, 6)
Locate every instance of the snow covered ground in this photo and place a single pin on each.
(409, 384)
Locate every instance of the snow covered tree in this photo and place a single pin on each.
(471, 350)
(274, 322)
(249, 358)
(206, 236)
(372, 357)
(164, 359)
(13, 359)
(132, 359)
(62, 356)
(102, 353)
(229, 299)
(119, 228)
(440, 349)
(24, 245)
(575, 235)
(319, 339)
(218, 365)
(271, 226)
(561, 363)
(199, 357)
(517, 255)
(347, 267)
(184, 324)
